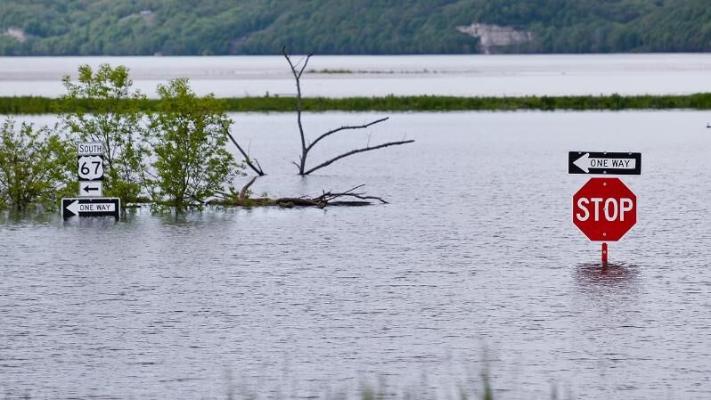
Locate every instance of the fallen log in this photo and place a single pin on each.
(326, 199)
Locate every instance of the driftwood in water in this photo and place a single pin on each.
(331, 199)
(326, 199)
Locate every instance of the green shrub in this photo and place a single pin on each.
(35, 167)
(189, 137)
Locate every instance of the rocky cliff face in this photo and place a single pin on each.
(492, 36)
(16, 33)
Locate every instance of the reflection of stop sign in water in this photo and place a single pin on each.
(604, 209)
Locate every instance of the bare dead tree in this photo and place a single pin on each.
(297, 70)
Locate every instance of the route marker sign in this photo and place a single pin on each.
(90, 161)
(604, 209)
(90, 157)
(91, 168)
(590, 162)
(91, 207)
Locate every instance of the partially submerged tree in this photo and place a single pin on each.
(191, 163)
(34, 167)
(297, 70)
(115, 121)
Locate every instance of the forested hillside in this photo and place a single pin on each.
(179, 27)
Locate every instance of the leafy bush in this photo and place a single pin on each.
(35, 167)
(189, 137)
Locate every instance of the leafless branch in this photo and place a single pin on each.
(358, 196)
(343, 128)
(351, 190)
(330, 196)
(294, 67)
(356, 151)
(256, 162)
(306, 62)
(253, 164)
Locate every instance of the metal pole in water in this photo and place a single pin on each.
(604, 255)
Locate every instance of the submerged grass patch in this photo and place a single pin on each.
(699, 101)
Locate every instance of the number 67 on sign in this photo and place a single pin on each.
(91, 161)
(91, 168)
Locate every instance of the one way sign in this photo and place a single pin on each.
(88, 207)
(589, 162)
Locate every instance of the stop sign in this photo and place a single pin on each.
(604, 209)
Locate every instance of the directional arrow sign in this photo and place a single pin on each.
(590, 162)
(85, 207)
(90, 188)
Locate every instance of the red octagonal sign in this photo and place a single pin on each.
(604, 209)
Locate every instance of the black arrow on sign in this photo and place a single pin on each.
(91, 189)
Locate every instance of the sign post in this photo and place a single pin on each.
(90, 164)
(604, 209)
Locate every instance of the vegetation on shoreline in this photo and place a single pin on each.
(174, 27)
(699, 101)
(35, 166)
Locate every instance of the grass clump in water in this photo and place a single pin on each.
(614, 102)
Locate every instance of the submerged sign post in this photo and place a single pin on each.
(604, 209)
(90, 164)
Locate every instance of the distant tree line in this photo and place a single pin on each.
(175, 27)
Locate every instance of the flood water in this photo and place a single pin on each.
(343, 76)
(474, 266)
